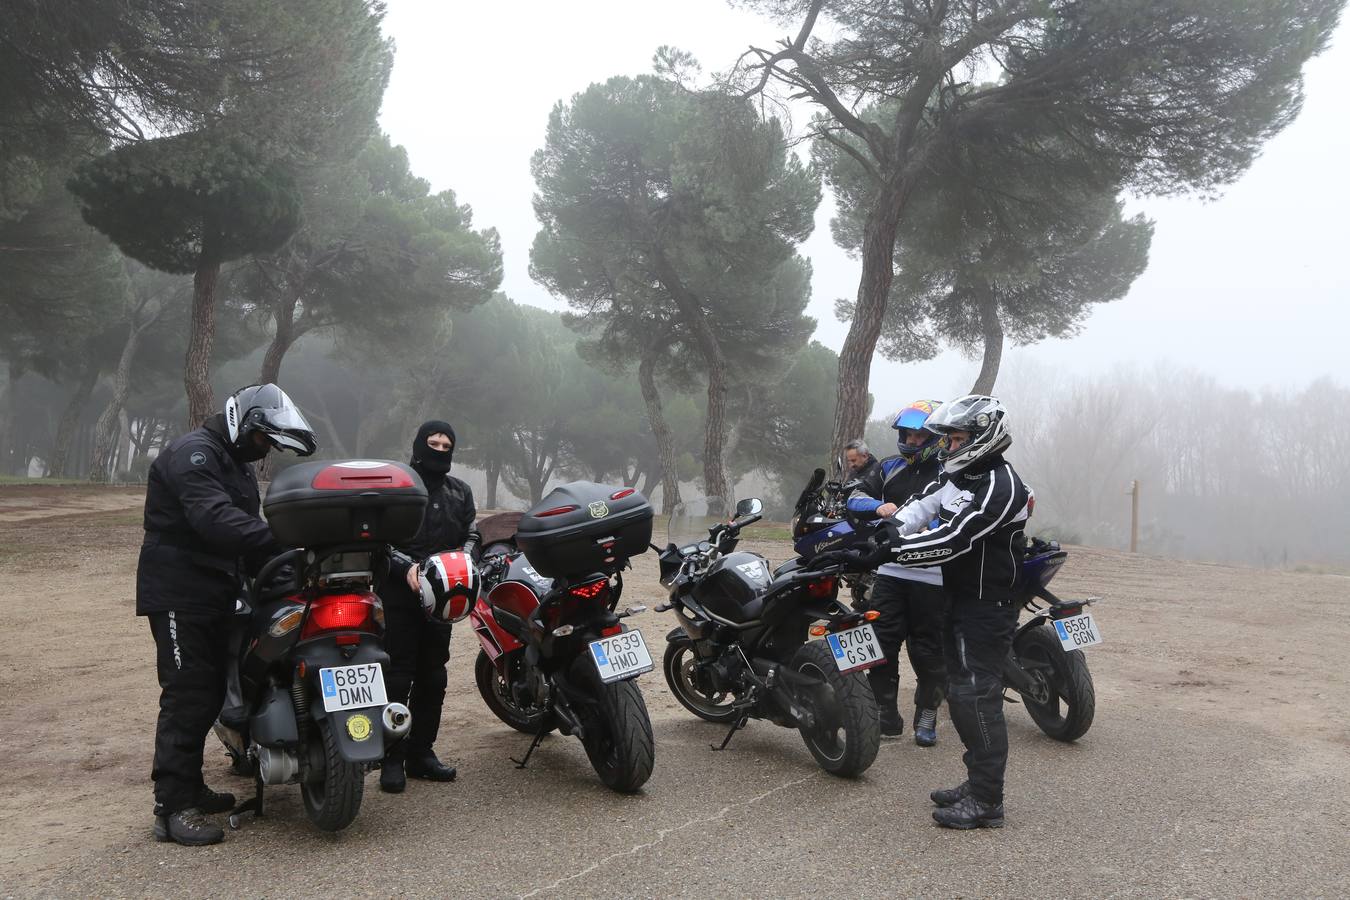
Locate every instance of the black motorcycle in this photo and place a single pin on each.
(821, 522)
(307, 701)
(743, 648)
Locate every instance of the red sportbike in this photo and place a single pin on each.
(555, 650)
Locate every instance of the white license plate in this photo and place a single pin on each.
(856, 648)
(621, 656)
(1077, 632)
(352, 687)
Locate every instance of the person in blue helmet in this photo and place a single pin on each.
(910, 600)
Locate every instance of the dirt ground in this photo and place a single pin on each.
(1217, 765)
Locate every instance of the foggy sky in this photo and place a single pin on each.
(1251, 287)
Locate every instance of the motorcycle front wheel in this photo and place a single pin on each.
(680, 667)
(618, 731)
(332, 802)
(846, 734)
(1063, 701)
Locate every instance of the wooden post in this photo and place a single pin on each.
(1134, 516)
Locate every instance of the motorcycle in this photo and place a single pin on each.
(742, 648)
(821, 522)
(307, 701)
(1046, 666)
(555, 651)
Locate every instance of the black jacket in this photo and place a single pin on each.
(979, 542)
(447, 524)
(202, 530)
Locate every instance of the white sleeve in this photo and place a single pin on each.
(919, 513)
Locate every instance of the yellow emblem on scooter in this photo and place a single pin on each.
(358, 726)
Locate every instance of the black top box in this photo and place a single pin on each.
(582, 527)
(354, 501)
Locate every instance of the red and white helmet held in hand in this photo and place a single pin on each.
(450, 585)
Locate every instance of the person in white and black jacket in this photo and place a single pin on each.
(981, 506)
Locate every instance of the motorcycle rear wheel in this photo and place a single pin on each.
(618, 731)
(1068, 701)
(847, 733)
(682, 678)
(496, 693)
(333, 801)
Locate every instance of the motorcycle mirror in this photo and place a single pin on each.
(749, 507)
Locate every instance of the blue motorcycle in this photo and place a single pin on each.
(1045, 667)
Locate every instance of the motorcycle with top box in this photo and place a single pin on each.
(310, 706)
(555, 651)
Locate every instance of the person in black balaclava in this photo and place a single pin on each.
(419, 648)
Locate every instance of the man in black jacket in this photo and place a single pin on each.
(910, 600)
(982, 507)
(419, 648)
(202, 536)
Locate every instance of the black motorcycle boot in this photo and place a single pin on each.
(209, 801)
(970, 812)
(426, 766)
(925, 727)
(189, 828)
(950, 796)
(392, 779)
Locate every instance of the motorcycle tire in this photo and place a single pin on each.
(679, 669)
(847, 735)
(332, 802)
(1065, 709)
(618, 731)
(496, 693)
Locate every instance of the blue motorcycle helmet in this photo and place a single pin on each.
(910, 421)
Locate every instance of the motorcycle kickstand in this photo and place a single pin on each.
(254, 805)
(735, 727)
(535, 742)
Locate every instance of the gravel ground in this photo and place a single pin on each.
(1216, 766)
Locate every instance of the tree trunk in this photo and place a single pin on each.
(493, 469)
(70, 419)
(715, 481)
(993, 343)
(9, 443)
(874, 288)
(201, 336)
(108, 427)
(665, 441)
(283, 314)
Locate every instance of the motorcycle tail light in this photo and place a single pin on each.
(819, 630)
(821, 587)
(556, 511)
(340, 612)
(619, 495)
(590, 590)
(611, 631)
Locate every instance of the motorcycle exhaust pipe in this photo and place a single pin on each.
(397, 719)
(277, 766)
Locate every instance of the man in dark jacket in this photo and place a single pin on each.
(858, 460)
(202, 536)
(910, 600)
(981, 507)
(419, 648)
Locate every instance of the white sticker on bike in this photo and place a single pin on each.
(1077, 632)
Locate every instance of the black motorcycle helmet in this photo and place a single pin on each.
(265, 408)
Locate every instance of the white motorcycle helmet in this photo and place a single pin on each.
(984, 417)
